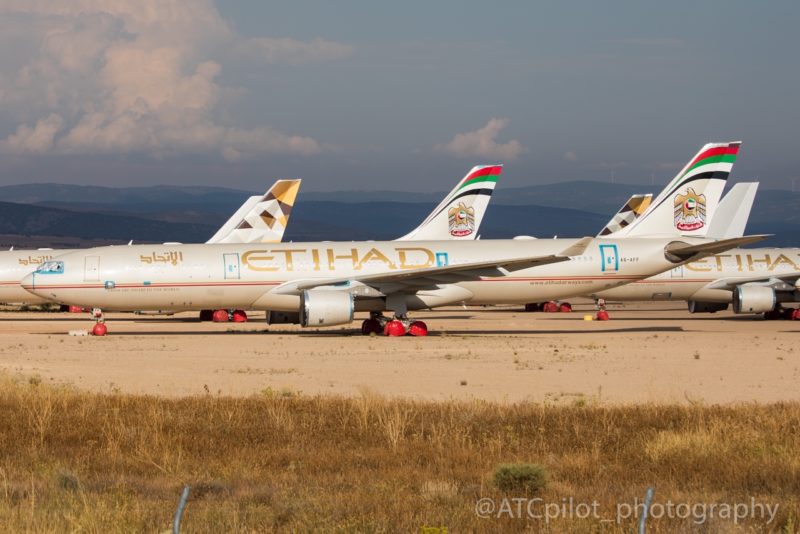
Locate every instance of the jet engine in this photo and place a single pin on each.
(754, 299)
(696, 306)
(325, 308)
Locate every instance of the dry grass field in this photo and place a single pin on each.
(279, 429)
(73, 461)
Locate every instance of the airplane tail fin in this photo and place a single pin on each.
(629, 212)
(688, 203)
(266, 220)
(733, 212)
(460, 214)
(234, 220)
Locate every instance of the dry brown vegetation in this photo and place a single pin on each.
(76, 461)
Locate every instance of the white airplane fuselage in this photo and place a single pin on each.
(247, 276)
(14, 266)
(690, 281)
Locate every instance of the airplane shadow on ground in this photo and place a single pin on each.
(483, 332)
(357, 333)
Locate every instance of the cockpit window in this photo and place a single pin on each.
(51, 267)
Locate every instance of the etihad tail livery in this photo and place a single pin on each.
(685, 206)
(266, 220)
(459, 215)
(275, 203)
(629, 212)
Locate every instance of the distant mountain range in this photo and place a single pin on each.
(58, 214)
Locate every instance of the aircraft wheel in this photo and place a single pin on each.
(394, 328)
(206, 316)
(550, 307)
(220, 316)
(418, 328)
(772, 315)
(371, 326)
(533, 307)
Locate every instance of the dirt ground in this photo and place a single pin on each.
(653, 352)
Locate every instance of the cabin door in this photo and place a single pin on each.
(231, 266)
(91, 269)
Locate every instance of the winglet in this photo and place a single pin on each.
(577, 248)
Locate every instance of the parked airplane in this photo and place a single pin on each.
(754, 280)
(261, 219)
(684, 207)
(324, 283)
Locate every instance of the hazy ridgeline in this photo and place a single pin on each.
(75, 461)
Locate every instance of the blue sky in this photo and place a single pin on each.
(368, 95)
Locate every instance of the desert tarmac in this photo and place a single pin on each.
(647, 353)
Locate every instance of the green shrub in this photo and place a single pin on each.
(527, 477)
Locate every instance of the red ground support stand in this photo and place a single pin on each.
(99, 329)
(239, 316)
(602, 315)
(565, 307)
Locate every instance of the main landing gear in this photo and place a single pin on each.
(400, 325)
(223, 316)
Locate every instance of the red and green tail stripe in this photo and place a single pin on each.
(723, 154)
(485, 174)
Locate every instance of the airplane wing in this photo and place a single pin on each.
(779, 282)
(415, 279)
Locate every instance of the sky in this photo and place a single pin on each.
(393, 96)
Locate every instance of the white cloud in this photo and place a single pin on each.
(483, 143)
(141, 76)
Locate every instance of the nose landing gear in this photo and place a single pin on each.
(99, 328)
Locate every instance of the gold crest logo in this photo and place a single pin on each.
(690, 211)
(461, 220)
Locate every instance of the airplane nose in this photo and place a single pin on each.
(28, 283)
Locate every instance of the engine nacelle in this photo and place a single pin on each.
(280, 317)
(326, 308)
(754, 299)
(696, 306)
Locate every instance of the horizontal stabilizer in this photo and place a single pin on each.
(678, 251)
